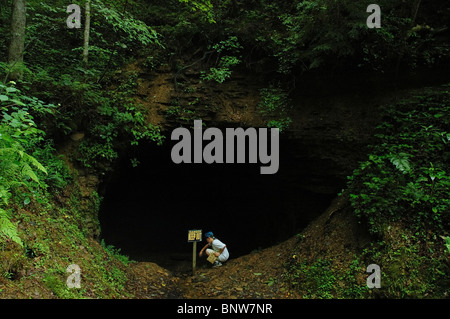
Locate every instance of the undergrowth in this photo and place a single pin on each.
(42, 224)
(401, 193)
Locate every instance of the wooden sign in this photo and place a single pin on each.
(194, 235)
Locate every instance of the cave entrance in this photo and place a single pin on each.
(147, 210)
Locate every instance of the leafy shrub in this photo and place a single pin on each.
(406, 176)
(22, 150)
(322, 279)
(226, 62)
(8, 230)
(117, 120)
(317, 279)
(58, 175)
(18, 169)
(115, 252)
(275, 106)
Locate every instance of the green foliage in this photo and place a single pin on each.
(406, 176)
(115, 252)
(57, 285)
(293, 38)
(275, 106)
(321, 279)
(226, 62)
(95, 154)
(204, 6)
(58, 175)
(401, 162)
(17, 168)
(118, 119)
(22, 176)
(409, 267)
(230, 45)
(132, 32)
(55, 50)
(402, 193)
(7, 229)
(219, 74)
(184, 114)
(447, 243)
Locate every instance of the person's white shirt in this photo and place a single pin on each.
(217, 245)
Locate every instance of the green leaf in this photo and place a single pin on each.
(447, 243)
(3, 98)
(8, 229)
(401, 162)
(4, 194)
(27, 171)
(35, 163)
(17, 102)
(11, 89)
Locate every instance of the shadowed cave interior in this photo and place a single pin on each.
(147, 210)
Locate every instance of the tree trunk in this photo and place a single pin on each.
(16, 47)
(87, 27)
(414, 11)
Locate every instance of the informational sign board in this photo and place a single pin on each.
(194, 235)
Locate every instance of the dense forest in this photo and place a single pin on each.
(88, 85)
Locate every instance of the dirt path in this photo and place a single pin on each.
(258, 275)
(253, 276)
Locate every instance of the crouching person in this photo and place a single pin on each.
(217, 248)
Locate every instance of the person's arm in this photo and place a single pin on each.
(203, 249)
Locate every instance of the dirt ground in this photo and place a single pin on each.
(260, 274)
(253, 276)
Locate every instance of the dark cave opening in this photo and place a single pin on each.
(147, 210)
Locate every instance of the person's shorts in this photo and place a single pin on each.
(221, 258)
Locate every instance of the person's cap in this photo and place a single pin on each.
(209, 234)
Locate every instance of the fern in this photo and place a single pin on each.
(18, 170)
(8, 229)
(401, 162)
(34, 162)
(22, 163)
(15, 169)
(4, 193)
(27, 171)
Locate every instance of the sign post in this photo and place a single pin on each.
(194, 236)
